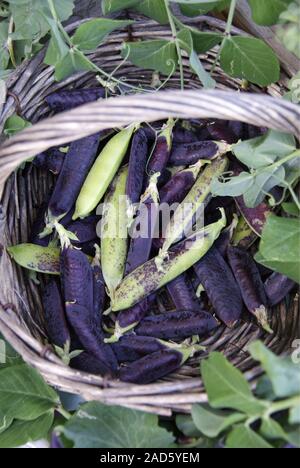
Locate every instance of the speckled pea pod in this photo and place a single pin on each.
(187, 154)
(251, 286)
(37, 258)
(157, 365)
(222, 132)
(103, 172)
(220, 286)
(278, 288)
(154, 274)
(243, 235)
(114, 242)
(185, 213)
(256, 218)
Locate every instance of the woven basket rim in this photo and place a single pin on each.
(160, 398)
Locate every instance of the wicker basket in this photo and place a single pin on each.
(21, 312)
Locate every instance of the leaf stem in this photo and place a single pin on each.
(64, 412)
(178, 48)
(226, 34)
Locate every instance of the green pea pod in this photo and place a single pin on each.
(148, 278)
(102, 173)
(243, 235)
(183, 216)
(37, 258)
(114, 241)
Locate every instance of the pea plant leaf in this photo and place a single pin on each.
(110, 6)
(71, 63)
(158, 55)
(187, 426)
(89, 35)
(227, 387)
(279, 246)
(187, 43)
(262, 185)
(294, 417)
(21, 432)
(243, 437)
(212, 423)
(99, 426)
(4, 54)
(251, 59)
(203, 41)
(15, 124)
(283, 373)
(24, 394)
(233, 186)
(198, 7)
(267, 12)
(155, 9)
(263, 151)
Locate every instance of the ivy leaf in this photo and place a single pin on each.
(279, 246)
(155, 9)
(89, 35)
(24, 394)
(211, 423)
(283, 373)
(99, 426)
(187, 43)
(265, 150)
(21, 432)
(251, 59)
(71, 63)
(266, 14)
(243, 437)
(227, 387)
(158, 55)
(110, 6)
(235, 187)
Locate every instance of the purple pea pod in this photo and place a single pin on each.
(177, 325)
(56, 443)
(55, 317)
(183, 135)
(224, 240)
(183, 294)
(222, 132)
(99, 291)
(157, 365)
(130, 348)
(162, 150)
(220, 286)
(256, 218)
(70, 99)
(86, 362)
(136, 169)
(239, 129)
(88, 248)
(51, 160)
(179, 185)
(278, 287)
(144, 227)
(84, 324)
(78, 161)
(39, 226)
(191, 153)
(249, 280)
(85, 229)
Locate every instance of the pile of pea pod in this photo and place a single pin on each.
(136, 308)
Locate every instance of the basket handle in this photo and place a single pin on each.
(259, 110)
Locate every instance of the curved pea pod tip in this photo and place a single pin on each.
(152, 276)
(36, 258)
(102, 172)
